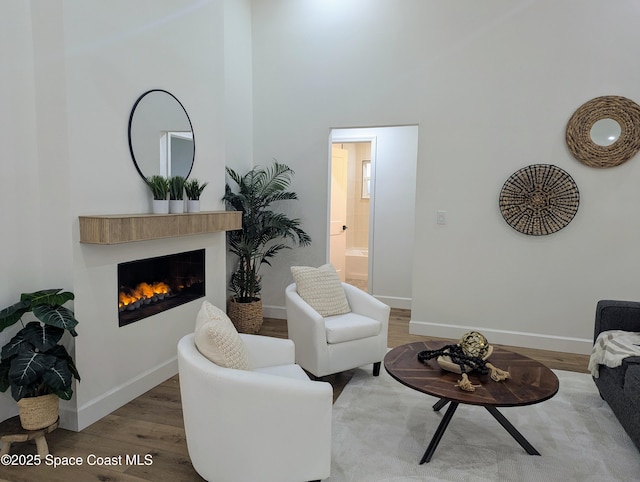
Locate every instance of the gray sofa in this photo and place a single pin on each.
(620, 387)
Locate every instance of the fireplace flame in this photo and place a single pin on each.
(142, 293)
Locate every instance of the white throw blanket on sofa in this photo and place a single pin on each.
(611, 347)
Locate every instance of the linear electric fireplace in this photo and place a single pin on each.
(150, 286)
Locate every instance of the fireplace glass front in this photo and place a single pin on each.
(150, 286)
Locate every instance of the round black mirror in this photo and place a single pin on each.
(161, 137)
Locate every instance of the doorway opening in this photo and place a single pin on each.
(350, 210)
(390, 182)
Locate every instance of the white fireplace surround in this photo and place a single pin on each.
(117, 364)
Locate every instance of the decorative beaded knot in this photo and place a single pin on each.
(466, 362)
(469, 355)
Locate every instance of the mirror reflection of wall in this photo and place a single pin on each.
(605, 132)
(176, 153)
(161, 136)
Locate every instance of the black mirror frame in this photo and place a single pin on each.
(133, 110)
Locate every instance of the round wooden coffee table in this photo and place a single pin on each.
(531, 382)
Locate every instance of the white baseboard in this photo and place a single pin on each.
(115, 398)
(505, 337)
(395, 302)
(68, 418)
(277, 312)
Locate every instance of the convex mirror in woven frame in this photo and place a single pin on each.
(605, 131)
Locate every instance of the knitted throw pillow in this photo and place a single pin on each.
(218, 340)
(321, 289)
(209, 312)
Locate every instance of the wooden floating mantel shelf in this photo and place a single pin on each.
(125, 228)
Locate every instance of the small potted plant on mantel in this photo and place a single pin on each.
(38, 369)
(176, 194)
(194, 189)
(159, 186)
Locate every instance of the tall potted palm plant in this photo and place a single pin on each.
(264, 234)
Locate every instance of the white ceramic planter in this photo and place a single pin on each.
(176, 206)
(160, 206)
(193, 205)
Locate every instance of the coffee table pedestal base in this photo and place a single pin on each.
(444, 423)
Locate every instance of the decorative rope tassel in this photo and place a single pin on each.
(466, 385)
(498, 375)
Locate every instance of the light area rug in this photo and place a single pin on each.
(381, 429)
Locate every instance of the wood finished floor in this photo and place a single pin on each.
(152, 425)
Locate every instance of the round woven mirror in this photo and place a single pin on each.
(605, 131)
(539, 199)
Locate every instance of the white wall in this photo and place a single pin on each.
(71, 80)
(20, 233)
(238, 80)
(238, 94)
(491, 85)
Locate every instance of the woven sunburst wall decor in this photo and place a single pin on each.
(539, 199)
(620, 109)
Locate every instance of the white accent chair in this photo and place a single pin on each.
(268, 424)
(337, 343)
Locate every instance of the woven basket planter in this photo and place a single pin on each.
(38, 412)
(246, 317)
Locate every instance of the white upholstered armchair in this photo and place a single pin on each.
(332, 344)
(269, 423)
